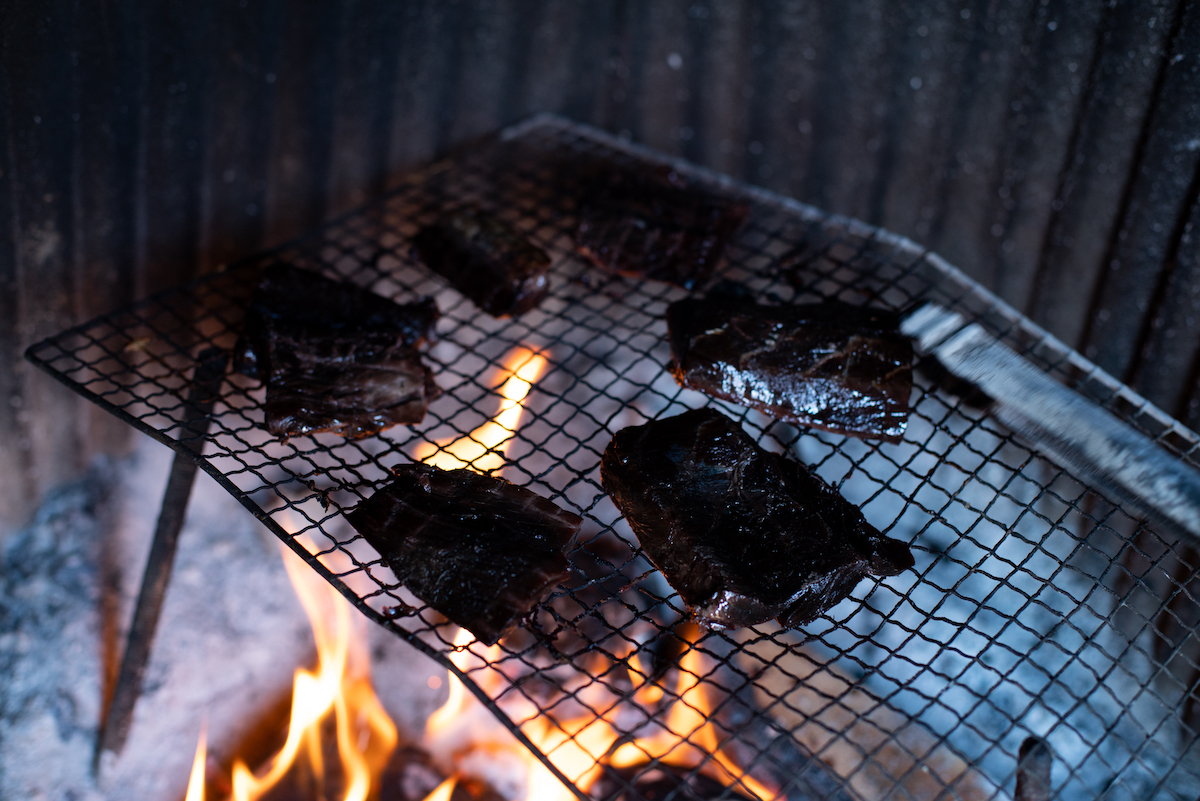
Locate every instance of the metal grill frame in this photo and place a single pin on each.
(957, 473)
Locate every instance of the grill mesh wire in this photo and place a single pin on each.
(1035, 607)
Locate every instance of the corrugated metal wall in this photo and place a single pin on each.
(1050, 148)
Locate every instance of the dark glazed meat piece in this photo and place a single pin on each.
(487, 261)
(833, 366)
(352, 385)
(334, 356)
(649, 225)
(480, 550)
(743, 535)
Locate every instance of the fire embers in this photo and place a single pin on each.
(741, 534)
(334, 356)
(480, 550)
(614, 726)
(840, 368)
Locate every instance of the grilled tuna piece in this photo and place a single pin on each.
(833, 366)
(649, 225)
(334, 356)
(490, 263)
(480, 550)
(742, 535)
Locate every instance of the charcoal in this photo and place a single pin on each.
(335, 357)
(742, 534)
(832, 366)
(650, 224)
(486, 260)
(412, 774)
(662, 782)
(480, 550)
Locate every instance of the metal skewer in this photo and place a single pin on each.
(206, 383)
(1034, 761)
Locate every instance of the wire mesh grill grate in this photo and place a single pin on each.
(1036, 607)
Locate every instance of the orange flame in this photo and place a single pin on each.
(443, 791)
(340, 685)
(195, 790)
(579, 746)
(483, 450)
(687, 737)
(458, 700)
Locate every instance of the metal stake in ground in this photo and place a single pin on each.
(206, 383)
(1034, 761)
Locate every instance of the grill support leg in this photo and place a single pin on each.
(114, 728)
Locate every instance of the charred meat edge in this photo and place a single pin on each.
(742, 534)
(480, 550)
(334, 356)
(833, 366)
(486, 260)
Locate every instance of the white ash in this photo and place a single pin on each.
(1008, 629)
(231, 634)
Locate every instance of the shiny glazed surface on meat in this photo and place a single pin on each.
(832, 366)
(480, 550)
(743, 535)
(334, 356)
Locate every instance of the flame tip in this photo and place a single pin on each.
(483, 450)
(580, 747)
(338, 685)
